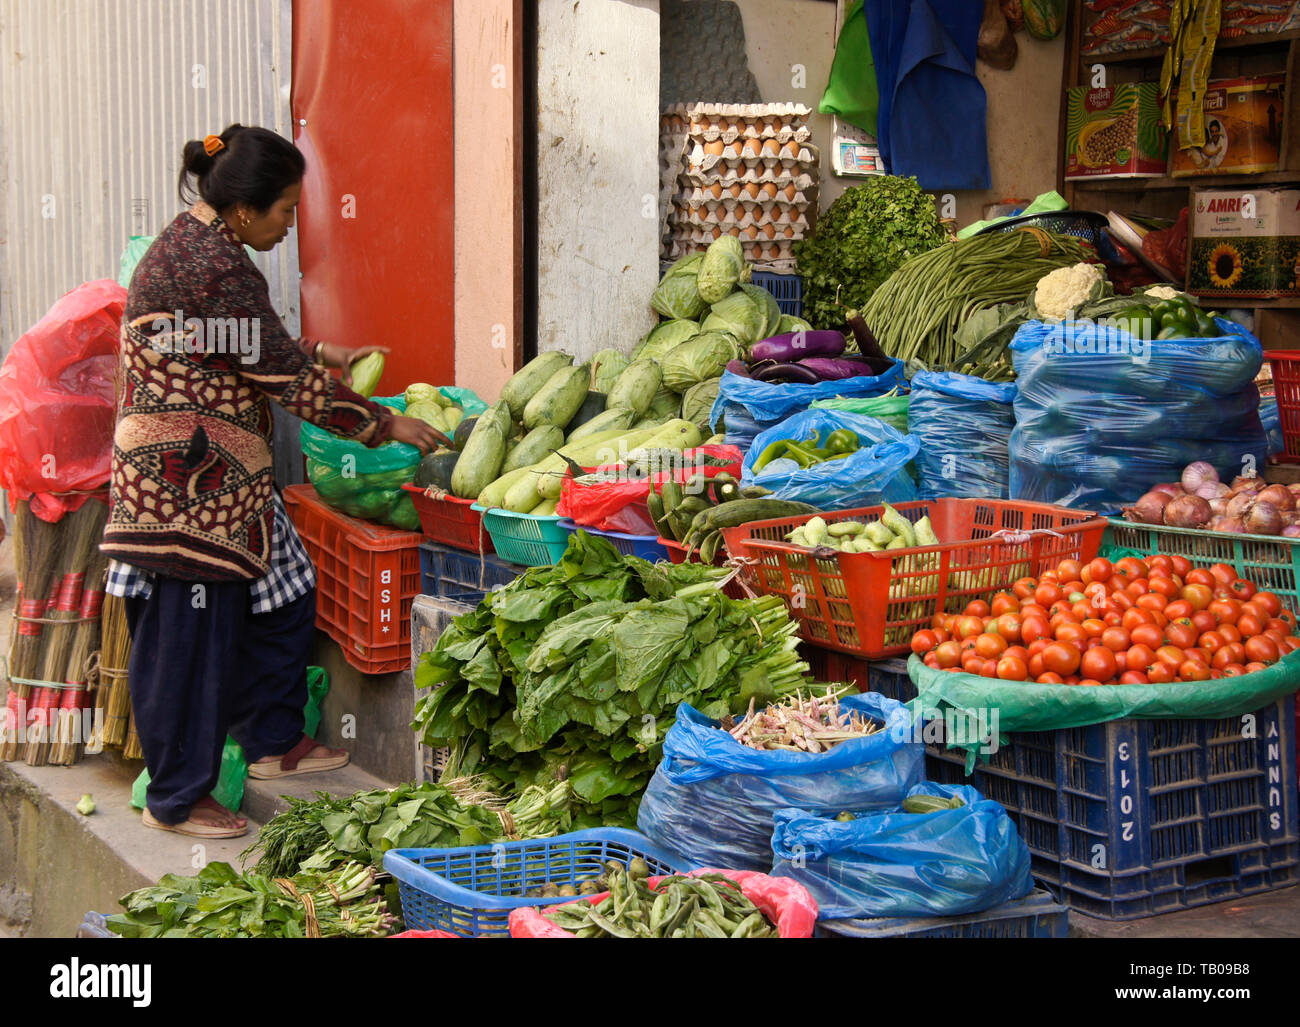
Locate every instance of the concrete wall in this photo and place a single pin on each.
(487, 210)
(598, 172)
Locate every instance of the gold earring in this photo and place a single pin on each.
(245, 220)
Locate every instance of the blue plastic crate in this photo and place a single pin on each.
(1137, 817)
(471, 891)
(788, 290)
(1037, 915)
(648, 547)
(452, 574)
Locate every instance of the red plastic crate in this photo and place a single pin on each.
(449, 521)
(870, 604)
(677, 554)
(366, 576)
(1286, 385)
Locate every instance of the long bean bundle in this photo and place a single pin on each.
(916, 312)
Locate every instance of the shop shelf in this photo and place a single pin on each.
(525, 539)
(366, 576)
(869, 604)
(471, 891)
(648, 547)
(788, 290)
(1270, 562)
(1136, 817)
(1037, 915)
(451, 574)
(450, 521)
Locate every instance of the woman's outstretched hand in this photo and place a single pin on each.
(343, 358)
(415, 432)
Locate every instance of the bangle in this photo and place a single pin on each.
(317, 355)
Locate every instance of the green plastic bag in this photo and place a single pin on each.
(964, 701)
(234, 768)
(851, 91)
(135, 248)
(890, 409)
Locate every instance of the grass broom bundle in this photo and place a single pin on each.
(113, 696)
(131, 747)
(73, 730)
(39, 548)
(83, 529)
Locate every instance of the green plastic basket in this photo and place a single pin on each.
(1268, 561)
(525, 539)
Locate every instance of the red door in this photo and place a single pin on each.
(372, 109)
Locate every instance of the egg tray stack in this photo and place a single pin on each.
(746, 170)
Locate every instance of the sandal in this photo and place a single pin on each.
(296, 761)
(194, 828)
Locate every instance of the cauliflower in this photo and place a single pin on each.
(1162, 292)
(1064, 290)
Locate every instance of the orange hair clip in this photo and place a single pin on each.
(212, 145)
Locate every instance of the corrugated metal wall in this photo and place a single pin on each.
(97, 98)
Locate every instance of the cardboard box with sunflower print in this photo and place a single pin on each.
(1245, 243)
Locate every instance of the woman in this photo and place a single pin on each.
(220, 596)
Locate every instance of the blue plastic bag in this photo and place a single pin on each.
(1102, 416)
(711, 799)
(949, 863)
(1271, 418)
(745, 406)
(876, 473)
(963, 425)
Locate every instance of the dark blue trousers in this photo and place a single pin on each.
(203, 666)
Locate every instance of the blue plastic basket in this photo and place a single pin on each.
(1136, 817)
(471, 891)
(788, 290)
(450, 573)
(1037, 915)
(525, 539)
(648, 547)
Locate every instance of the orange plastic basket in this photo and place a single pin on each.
(1286, 385)
(869, 604)
(366, 576)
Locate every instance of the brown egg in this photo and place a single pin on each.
(734, 191)
(714, 190)
(770, 148)
(789, 192)
(749, 232)
(713, 149)
(767, 190)
(768, 230)
(732, 151)
(750, 149)
(790, 149)
(751, 190)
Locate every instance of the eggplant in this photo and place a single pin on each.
(863, 335)
(739, 367)
(833, 368)
(797, 345)
(877, 365)
(788, 373)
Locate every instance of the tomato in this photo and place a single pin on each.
(1164, 587)
(1150, 601)
(1121, 600)
(1061, 608)
(990, 646)
(1202, 620)
(1230, 632)
(1133, 677)
(1034, 628)
(940, 636)
(930, 660)
(1251, 668)
(1004, 602)
(1262, 650)
(1201, 576)
(968, 627)
(1242, 589)
(1224, 611)
(1182, 566)
(1051, 577)
(1198, 594)
(1093, 627)
(1074, 590)
(1232, 670)
(1113, 619)
(1116, 639)
(1136, 616)
(1210, 641)
(1046, 594)
(1232, 652)
(1031, 609)
(1089, 681)
(989, 669)
(1276, 636)
(1024, 588)
(1285, 615)
(1100, 569)
(923, 642)
(1069, 570)
(948, 654)
(1158, 618)
(1289, 644)
(1180, 608)
(1139, 657)
(1170, 654)
(1148, 635)
(1277, 624)
(1224, 574)
(1048, 678)
(939, 620)
(977, 608)
(1190, 670)
(1008, 626)
(1035, 665)
(1160, 673)
(1082, 610)
(1249, 624)
(1198, 656)
(1099, 663)
(1012, 668)
(1060, 658)
(1160, 562)
(971, 661)
(1180, 635)
(1271, 603)
(1070, 633)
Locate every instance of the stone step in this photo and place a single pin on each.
(264, 799)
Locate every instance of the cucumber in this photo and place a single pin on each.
(546, 508)
(636, 387)
(522, 496)
(535, 447)
(899, 525)
(613, 417)
(558, 400)
(930, 804)
(529, 379)
(495, 494)
(480, 462)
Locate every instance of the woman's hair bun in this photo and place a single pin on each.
(195, 158)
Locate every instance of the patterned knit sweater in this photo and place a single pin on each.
(192, 480)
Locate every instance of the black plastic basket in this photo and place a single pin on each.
(1082, 224)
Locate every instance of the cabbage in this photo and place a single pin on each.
(663, 337)
(697, 404)
(606, 366)
(741, 316)
(768, 302)
(665, 404)
(790, 323)
(676, 296)
(721, 269)
(419, 392)
(703, 357)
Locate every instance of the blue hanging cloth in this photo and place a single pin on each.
(931, 120)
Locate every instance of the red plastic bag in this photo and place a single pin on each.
(621, 505)
(58, 401)
(425, 934)
(784, 901)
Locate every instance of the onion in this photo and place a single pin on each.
(1197, 474)
(1239, 504)
(1218, 507)
(1291, 531)
(1213, 490)
(1294, 489)
(1187, 512)
(1169, 489)
(1229, 524)
(1150, 509)
(1263, 519)
(1247, 481)
(1278, 496)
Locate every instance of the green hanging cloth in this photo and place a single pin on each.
(851, 91)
